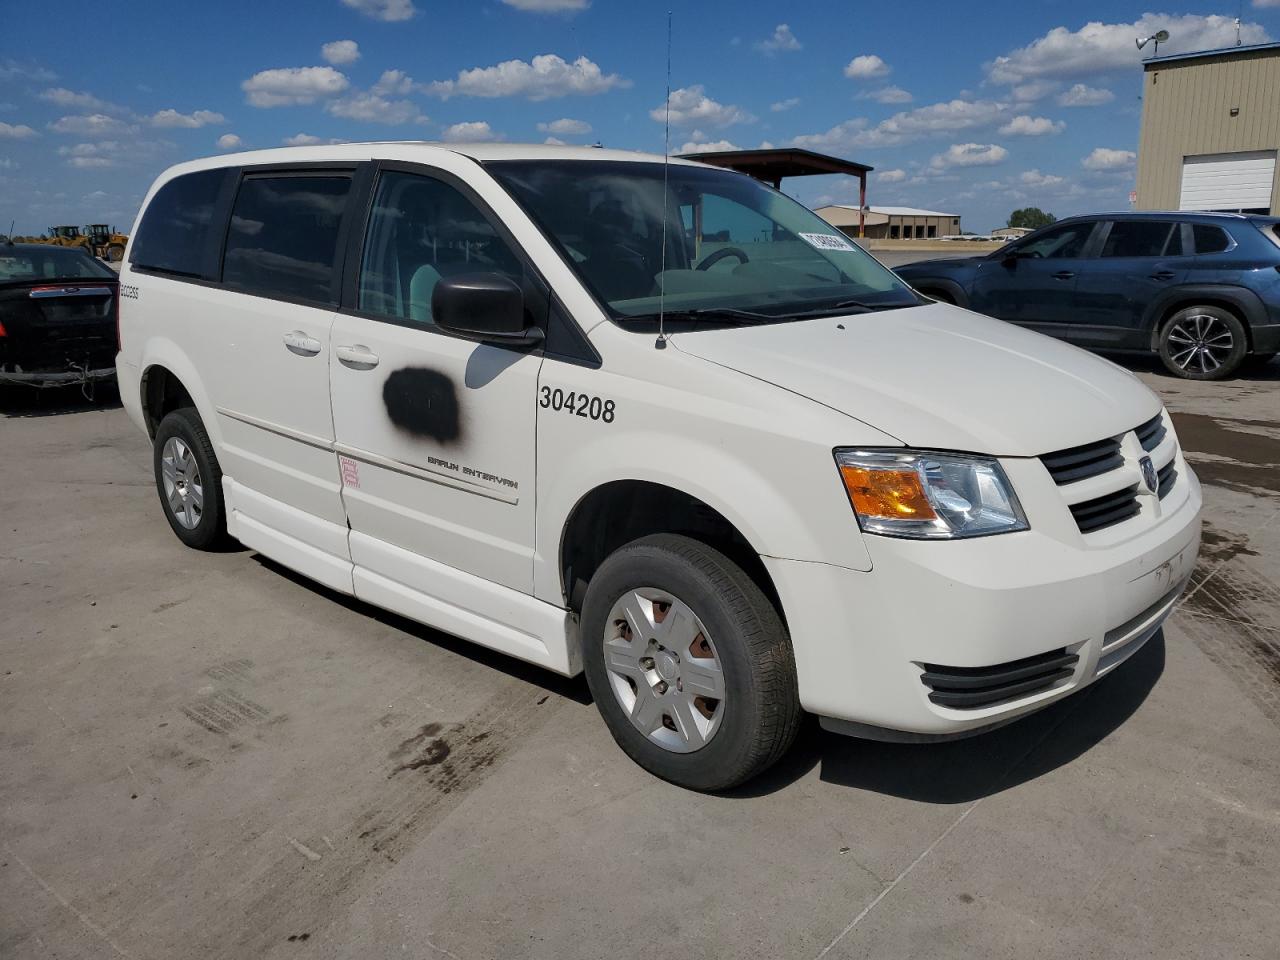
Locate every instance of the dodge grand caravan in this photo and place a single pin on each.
(661, 426)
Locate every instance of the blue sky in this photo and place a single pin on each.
(967, 108)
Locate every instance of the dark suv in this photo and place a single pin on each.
(1200, 289)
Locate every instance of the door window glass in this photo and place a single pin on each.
(1210, 239)
(1137, 238)
(173, 236)
(283, 240)
(1067, 240)
(420, 231)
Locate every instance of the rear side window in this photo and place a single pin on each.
(283, 239)
(1137, 238)
(1210, 239)
(175, 233)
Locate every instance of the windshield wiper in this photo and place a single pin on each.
(711, 314)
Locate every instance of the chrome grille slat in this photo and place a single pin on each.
(1078, 463)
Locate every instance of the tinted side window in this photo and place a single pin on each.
(1067, 240)
(1136, 238)
(283, 240)
(1210, 239)
(174, 235)
(421, 230)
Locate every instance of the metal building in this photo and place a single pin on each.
(891, 223)
(1211, 131)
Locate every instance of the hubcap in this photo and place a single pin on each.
(182, 486)
(664, 669)
(1200, 343)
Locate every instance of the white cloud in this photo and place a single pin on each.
(368, 107)
(18, 131)
(783, 40)
(549, 6)
(565, 127)
(969, 155)
(11, 69)
(891, 176)
(1034, 90)
(1034, 178)
(229, 141)
(689, 106)
(784, 105)
(554, 142)
(110, 153)
(866, 67)
(543, 78)
(341, 51)
(889, 94)
(79, 100)
(1028, 126)
(390, 11)
(715, 146)
(1266, 3)
(934, 120)
(473, 131)
(307, 140)
(289, 86)
(191, 121)
(1082, 95)
(1104, 158)
(393, 81)
(1098, 47)
(92, 125)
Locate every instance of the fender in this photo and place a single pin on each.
(955, 290)
(1245, 302)
(163, 352)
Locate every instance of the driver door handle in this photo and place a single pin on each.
(356, 356)
(301, 343)
(1063, 275)
(1163, 275)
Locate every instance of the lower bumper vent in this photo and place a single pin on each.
(968, 688)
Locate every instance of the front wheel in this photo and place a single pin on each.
(115, 252)
(189, 480)
(1202, 343)
(689, 663)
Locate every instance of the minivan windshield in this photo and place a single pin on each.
(736, 251)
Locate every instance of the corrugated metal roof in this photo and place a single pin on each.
(897, 211)
(1208, 54)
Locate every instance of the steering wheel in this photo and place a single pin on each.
(720, 254)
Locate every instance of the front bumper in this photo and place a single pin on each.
(862, 640)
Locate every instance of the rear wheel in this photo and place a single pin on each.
(689, 663)
(1202, 343)
(115, 252)
(189, 480)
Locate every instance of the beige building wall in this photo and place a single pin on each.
(1186, 111)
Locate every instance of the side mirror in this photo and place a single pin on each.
(1009, 261)
(488, 307)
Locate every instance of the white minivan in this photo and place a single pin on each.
(657, 423)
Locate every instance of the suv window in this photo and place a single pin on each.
(283, 239)
(421, 230)
(1137, 238)
(174, 235)
(1209, 239)
(1067, 240)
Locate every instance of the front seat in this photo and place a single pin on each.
(421, 285)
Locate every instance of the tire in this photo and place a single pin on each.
(115, 253)
(738, 641)
(1202, 343)
(192, 502)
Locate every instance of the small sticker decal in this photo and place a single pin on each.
(826, 241)
(350, 472)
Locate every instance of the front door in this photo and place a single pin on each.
(435, 434)
(1032, 283)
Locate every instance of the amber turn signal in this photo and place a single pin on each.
(892, 494)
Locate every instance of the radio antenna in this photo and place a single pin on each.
(661, 342)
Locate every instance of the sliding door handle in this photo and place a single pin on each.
(301, 343)
(356, 356)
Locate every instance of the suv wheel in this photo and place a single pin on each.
(689, 663)
(189, 480)
(1203, 343)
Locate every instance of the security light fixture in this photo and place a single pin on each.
(1160, 36)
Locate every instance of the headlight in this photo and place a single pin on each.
(929, 496)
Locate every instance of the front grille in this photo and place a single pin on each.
(1107, 509)
(1079, 463)
(1151, 433)
(1168, 474)
(968, 688)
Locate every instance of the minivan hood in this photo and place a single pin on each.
(940, 377)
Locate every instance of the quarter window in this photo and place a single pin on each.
(1210, 239)
(1137, 238)
(174, 235)
(420, 231)
(283, 240)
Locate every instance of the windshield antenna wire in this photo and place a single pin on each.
(661, 342)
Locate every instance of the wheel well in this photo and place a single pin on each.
(624, 510)
(1210, 301)
(936, 292)
(162, 393)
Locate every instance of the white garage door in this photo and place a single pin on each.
(1228, 181)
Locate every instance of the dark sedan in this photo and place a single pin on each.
(57, 316)
(1201, 290)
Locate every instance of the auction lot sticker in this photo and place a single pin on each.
(826, 241)
(350, 472)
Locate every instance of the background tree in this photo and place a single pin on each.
(1032, 217)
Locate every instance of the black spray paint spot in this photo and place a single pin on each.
(423, 402)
